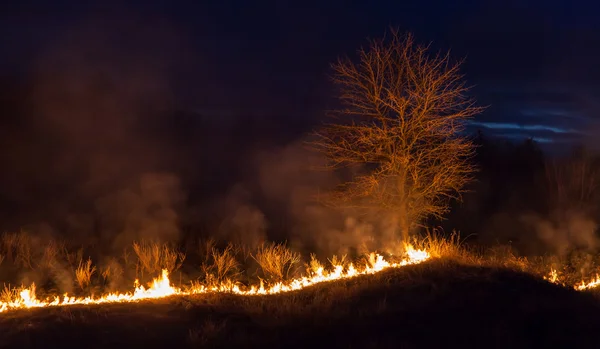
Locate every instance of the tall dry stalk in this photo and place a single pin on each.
(9, 294)
(51, 255)
(222, 266)
(154, 257)
(17, 249)
(111, 272)
(337, 260)
(314, 266)
(84, 272)
(276, 261)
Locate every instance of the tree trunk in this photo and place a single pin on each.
(403, 223)
(403, 219)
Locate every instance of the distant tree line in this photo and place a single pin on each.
(519, 179)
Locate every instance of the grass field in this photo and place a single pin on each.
(461, 297)
(440, 303)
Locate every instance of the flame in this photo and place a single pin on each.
(553, 277)
(586, 286)
(161, 286)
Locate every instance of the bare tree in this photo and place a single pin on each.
(400, 125)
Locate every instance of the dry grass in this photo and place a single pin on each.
(314, 266)
(336, 260)
(106, 273)
(83, 273)
(570, 269)
(59, 268)
(8, 293)
(440, 246)
(451, 247)
(351, 313)
(223, 266)
(505, 257)
(24, 251)
(204, 249)
(276, 261)
(154, 257)
(51, 255)
(16, 248)
(111, 272)
(73, 258)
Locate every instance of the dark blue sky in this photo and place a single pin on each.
(535, 63)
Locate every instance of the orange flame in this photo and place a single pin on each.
(586, 286)
(553, 277)
(161, 286)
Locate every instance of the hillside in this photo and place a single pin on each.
(435, 304)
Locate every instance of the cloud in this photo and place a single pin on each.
(512, 126)
(547, 113)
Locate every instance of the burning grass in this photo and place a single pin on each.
(508, 308)
(154, 257)
(434, 283)
(276, 262)
(276, 269)
(84, 273)
(221, 266)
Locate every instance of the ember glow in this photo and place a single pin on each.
(25, 297)
(591, 284)
(160, 287)
(553, 278)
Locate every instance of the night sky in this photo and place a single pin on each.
(534, 63)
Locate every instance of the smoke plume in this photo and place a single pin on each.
(563, 232)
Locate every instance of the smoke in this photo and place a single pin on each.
(240, 222)
(100, 164)
(287, 183)
(87, 164)
(151, 212)
(565, 231)
(538, 232)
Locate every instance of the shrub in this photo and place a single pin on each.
(83, 273)
(314, 267)
(111, 273)
(154, 257)
(276, 261)
(336, 261)
(441, 246)
(16, 248)
(51, 255)
(225, 266)
(9, 294)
